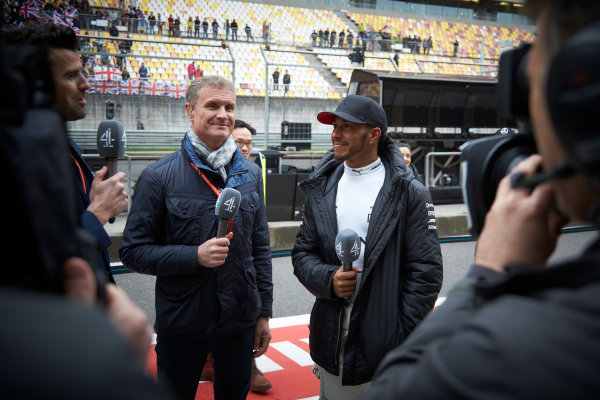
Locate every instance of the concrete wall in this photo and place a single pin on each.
(165, 114)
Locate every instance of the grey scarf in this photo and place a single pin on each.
(216, 159)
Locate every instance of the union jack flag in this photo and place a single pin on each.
(107, 87)
(58, 19)
(111, 87)
(71, 13)
(130, 87)
(39, 4)
(92, 83)
(152, 88)
(30, 11)
(175, 90)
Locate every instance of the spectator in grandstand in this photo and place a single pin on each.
(532, 323)
(341, 37)
(205, 301)
(160, 23)
(326, 37)
(143, 72)
(313, 38)
(177, 26)
(197, 23)
(104, 57)
(455, 48)
(142, 23)
(359, 316)
(191, 71)
(349, 40)
(406, 151)
(125, 74)
(215, 29)
(276, 79)
(113, 31)
(429, 42)
(265, 31)
(234, 29)
(418, 42)
(227, 29)
(396, 59)
(320, 34)
(332, 38)
(139, 124)
(171, 25)
(204, 29)
(248, 31)
(286, 81)
(98, 199)
(152, 22)
(198, 73)
(190, 26)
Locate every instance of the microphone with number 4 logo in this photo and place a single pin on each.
(226, 208)
(347, 247)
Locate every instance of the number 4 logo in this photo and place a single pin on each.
(230, 203)
(107, 138)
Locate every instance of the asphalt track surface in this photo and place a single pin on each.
(287, 363)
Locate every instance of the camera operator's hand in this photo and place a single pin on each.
(130, 320)
(107, 197)
(519, 227)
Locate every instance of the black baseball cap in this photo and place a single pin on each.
(357, 109)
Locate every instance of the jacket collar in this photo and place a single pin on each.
(237, 172)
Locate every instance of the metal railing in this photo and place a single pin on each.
(430, 179)
(171, 140)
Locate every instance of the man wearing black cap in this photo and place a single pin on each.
(363, 184)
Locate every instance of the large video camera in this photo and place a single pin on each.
(40, 220)
(486, 161)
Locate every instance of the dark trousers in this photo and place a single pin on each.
(180, 363)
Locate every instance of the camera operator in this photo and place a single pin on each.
(514, 328)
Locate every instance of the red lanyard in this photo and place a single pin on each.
(214, 189)
(80, 174)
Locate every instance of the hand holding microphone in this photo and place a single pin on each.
(347, 248)
(213, 252)
(111, 142)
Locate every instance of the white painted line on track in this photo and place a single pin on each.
(265, 364)
(293, 352)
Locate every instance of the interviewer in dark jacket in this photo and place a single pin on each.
(363, 184)
(212, 294)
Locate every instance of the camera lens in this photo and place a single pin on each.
(503, 159)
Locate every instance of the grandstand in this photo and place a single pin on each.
(320, 73)
(290, 27)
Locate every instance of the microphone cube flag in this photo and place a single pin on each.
(228, 203)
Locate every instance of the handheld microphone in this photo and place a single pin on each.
(111, 142)
(347, 247)
(520, 180)
(226, 208)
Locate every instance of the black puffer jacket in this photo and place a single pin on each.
(402, 267)
(173, 212)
